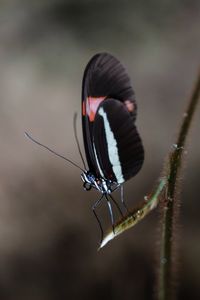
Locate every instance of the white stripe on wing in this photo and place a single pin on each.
(112, 148)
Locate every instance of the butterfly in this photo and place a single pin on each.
(113, 147)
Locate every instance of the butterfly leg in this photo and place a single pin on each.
(97, 218)
(122, 198)
(117, 205)
(111, 213)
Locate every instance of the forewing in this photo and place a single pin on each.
(118, 146)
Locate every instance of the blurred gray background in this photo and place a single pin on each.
(48, 235)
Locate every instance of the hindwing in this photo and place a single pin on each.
(117, 145)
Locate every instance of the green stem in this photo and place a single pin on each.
(170, 207)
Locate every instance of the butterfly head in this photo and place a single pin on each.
(102, 185)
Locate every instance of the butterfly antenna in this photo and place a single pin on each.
(52, 151)
(76, 138)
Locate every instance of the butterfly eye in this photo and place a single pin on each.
(87, 186)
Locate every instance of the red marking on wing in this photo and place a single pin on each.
(129, 105)
(91, 105)
(83, 108)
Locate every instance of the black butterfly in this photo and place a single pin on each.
(113, 147)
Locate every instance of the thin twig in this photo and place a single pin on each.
(167, 183)
(170, 207)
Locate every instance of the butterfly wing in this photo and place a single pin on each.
(117, 144)
(104, 78)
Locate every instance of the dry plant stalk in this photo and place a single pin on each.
(166, 194)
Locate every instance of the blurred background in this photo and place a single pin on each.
(48, 235)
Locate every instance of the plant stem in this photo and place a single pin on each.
(168, 183)
(170, 206)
